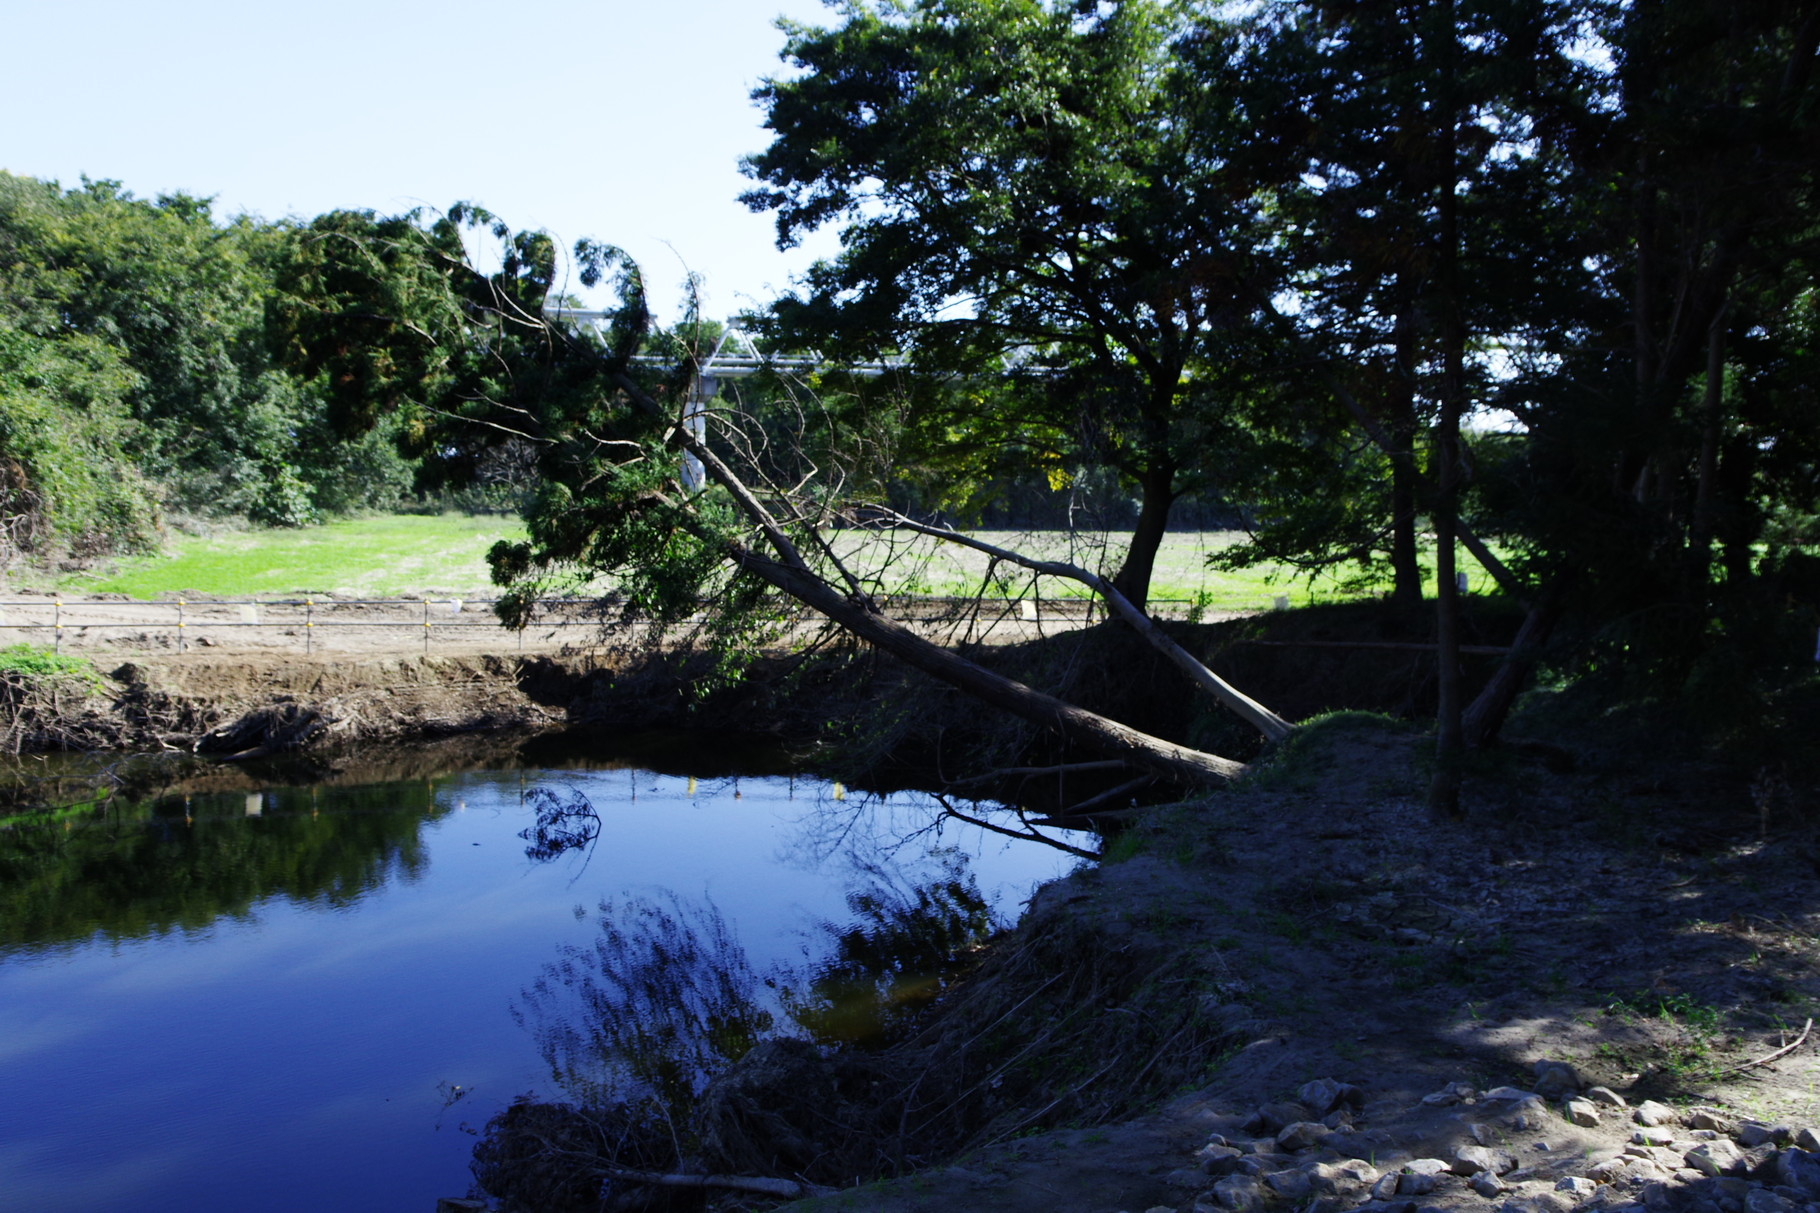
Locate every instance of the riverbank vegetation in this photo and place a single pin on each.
(1535, 280)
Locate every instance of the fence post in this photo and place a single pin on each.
(180, 625)
(426, 627)
(57, 624)
(309, 625)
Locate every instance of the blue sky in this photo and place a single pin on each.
(615, 119)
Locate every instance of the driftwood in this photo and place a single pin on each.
(1784, 1051)
(783, 1189)
(1061, 768)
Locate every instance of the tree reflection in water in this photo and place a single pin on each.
(893, 958)
(566, 821)
(636, 1024)
(663, 998)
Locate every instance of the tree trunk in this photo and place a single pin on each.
(1488, 711)
(792, 574)
(1156, 487)
(1712, 406)
(1450, 747)
(1405, 561)
(1178, 764)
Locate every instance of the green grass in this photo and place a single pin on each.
(390, 556)
(409, 554)
(36, 661)
(926, 566)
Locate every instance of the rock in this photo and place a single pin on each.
(1483, 1135)
(1184, 1178)
(1239, 1193)
(1218, 1160)
(1342, 1179)
(1354, 1144)
(1582, 1112)
(1576, 1185)
(1649, 1113)
(1415, 1183)
(1263, 1163)
(1323, 1095)
(1292, 1184)
(1301, 1135)
(1755, 1133)
(1761, 1200)
(1539, 1202)
(1506, 1095)
(1713, 1158)
(1486, 1184)
(1654, 1136)
(1449, 1095)
(1555, 1079)
(1808, 1140)
(1269, 1120)
(1710, 1118)
(1800, 1170)
(1386, 1187)
(1470, 1160)
(1606, 1096)
(1338, 1120)
(1758, 1163)
(1610, 1171)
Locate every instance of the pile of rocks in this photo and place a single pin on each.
(1556, 1147)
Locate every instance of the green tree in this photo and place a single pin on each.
(1021, 178)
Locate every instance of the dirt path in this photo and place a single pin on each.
(101, 625)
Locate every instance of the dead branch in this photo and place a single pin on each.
(784, 1189)
(1062, 768)
(1026, 835)
(1784, 1051)
(1250, 710)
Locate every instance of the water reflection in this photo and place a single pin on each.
(123, 872)
(332, 969)
(894, 956)
(662, 998)
(566, 821)
(665, 996)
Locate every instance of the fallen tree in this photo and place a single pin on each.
(684, 497)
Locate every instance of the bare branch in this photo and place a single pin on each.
(1250, 710)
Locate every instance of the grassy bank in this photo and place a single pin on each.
(408, 555)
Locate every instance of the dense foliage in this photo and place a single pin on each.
(1539, 272)
(138, 375)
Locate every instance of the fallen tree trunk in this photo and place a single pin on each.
(855, 612)
(1246, 708)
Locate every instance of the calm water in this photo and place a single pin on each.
(309, 998)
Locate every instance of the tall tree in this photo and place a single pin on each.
(1030, 175)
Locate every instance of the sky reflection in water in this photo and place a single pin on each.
(274, 1011)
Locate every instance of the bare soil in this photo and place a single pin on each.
(1658, 930)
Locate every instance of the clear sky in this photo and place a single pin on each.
(616, 119)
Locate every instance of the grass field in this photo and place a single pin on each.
(384, 557)
(409, 555)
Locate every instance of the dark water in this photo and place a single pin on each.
(311, 997)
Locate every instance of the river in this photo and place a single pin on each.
(314, 997)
